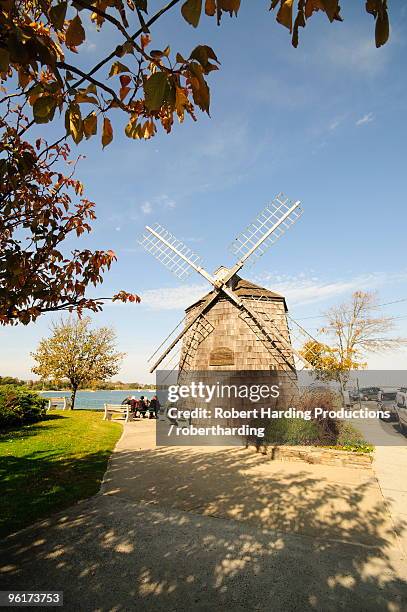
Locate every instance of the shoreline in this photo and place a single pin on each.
(94, 390)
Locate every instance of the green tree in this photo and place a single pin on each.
(78, 353)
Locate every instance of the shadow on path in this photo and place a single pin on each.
(290, 544)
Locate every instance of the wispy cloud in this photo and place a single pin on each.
(146, 208)
(337, 121)
(173, 298)
(368, 118)
(163, 200)
(281, 93)
(193, 239)
(354, 53)
(159, 202)
(333, 125)
(299, 290)
(227, 152)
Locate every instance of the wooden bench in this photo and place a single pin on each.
(59, 403)
(124, 410)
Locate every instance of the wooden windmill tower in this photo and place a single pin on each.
(237, 326)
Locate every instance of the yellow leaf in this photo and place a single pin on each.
(200, 89)
(74, 123)
(285, 14)
(133, 129)
(75, 34)
(148, 130)
(118, 68)
(44, 109)
(84, 98)
(91, 88)
(181, 100)
(107, 134)
(90, 125)
(191, 11)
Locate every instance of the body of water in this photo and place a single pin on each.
(96, 399)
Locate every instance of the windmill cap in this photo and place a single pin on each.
(244, 288)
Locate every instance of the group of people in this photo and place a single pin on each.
(141, 406)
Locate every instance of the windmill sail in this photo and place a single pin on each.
(266, 229)
(263, 232)
(170, 251)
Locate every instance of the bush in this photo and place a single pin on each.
(292, 431)
(351, 439)
(318, 431)
(19, 406)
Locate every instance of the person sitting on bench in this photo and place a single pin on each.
(142, 407)
(154, 407)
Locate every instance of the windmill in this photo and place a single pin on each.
(237, 325)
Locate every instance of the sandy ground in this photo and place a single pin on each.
(210, 528)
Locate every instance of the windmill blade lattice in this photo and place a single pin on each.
(312, 349)
(252, 242)
(182, 263)
(307, 349)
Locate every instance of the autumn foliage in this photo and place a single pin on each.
(41, 76)
(40, 208)
(150, 86)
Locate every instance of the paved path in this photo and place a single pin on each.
(200, 529)
(390, 467)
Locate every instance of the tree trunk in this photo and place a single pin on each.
(342, 384)
(73, 396)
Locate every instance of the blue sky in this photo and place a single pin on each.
(324, 123)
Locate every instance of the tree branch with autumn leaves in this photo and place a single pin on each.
(38, 214)
(152, 88)
(39, 43)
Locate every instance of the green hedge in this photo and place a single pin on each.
(19, 406)
(292, 432)
(341, 436)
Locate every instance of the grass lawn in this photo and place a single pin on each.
(48, 466)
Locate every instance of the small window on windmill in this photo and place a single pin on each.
(221, 356)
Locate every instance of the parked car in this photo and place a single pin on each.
(369, 393)
(354, 395)
(386, 401)
(401, 407)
